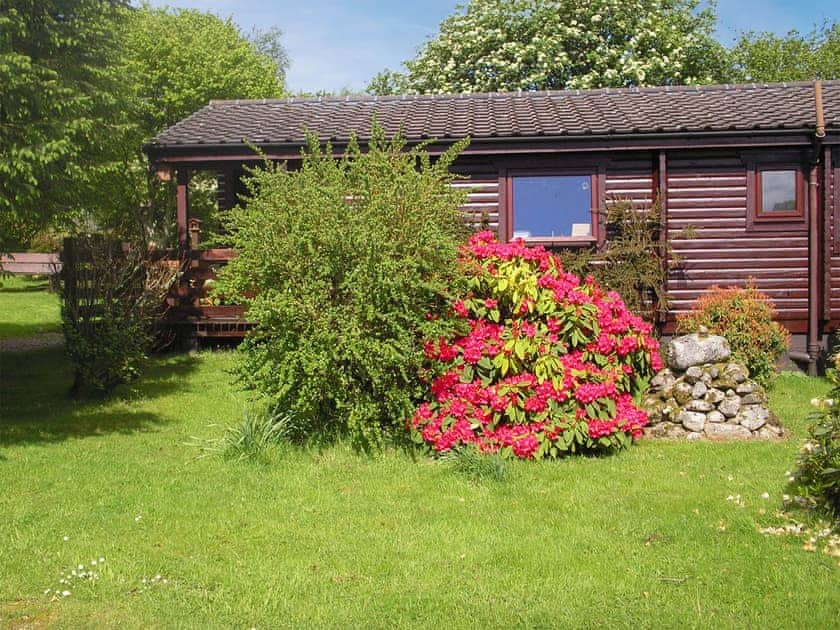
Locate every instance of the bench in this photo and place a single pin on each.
(28, 264)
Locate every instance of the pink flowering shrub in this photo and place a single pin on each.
(549, 366)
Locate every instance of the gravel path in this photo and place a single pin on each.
(46, 340)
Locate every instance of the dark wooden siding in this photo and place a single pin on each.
(710, 195)
(630, 178)
(482, 208)
(833, 210)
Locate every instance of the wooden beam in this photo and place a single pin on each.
(182, 198)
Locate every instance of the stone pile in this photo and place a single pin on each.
(703, 394)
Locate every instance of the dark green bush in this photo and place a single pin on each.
(111, 301)
(339, 263)
(817, 474)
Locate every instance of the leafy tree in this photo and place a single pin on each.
(85, 82)
(791, 57)
(496, 45)
(179, 59)
(59, 108)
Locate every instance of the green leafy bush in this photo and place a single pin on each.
(111, 300)
(339, 263)
(817, 474)
(744, 316)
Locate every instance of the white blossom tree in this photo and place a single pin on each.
(499, 45)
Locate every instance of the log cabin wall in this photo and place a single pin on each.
(832, 203)
(709, 193)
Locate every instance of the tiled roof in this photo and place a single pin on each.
(603, 112)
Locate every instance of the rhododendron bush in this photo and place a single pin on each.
(549, 365)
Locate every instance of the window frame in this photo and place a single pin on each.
(595, 187)
(775, 221)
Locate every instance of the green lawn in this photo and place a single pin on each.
(328, 538)
(27, 308)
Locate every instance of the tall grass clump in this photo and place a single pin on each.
(339, 263)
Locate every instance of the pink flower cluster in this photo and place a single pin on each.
(549, 364)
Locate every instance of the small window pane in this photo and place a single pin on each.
(778, 191)
(552, 206)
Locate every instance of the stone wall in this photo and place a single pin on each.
(702, 394)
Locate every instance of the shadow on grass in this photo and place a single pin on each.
(35, 404)
(10, 330)
(30, 287)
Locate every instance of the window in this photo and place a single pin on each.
(776, 194)
(779, 193)
(552, 207)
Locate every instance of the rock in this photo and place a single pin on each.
(664, 379)
(725, 384)
(768, 432)
(753, 417)
(714, 396)
(699, 390)
(682, 393)
(690, 350)
(713, 371)
(722, 431)
(693, 374)
(665, 430)
(746, 387)
(736, 371)
(692, 420)
(753, 399)
(693, 437)
(730, 406)
(715, 416)
(699, 405)
(654, 407)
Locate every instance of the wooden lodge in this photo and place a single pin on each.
(753, 168)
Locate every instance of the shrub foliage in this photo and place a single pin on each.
(549, 364)
(338, 263)
(744, 316)
(111, 301)
(817, 474)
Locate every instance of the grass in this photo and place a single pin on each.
(328, 538)
(27, 307)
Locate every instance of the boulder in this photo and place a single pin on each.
(723, 431)
(730, 406)
(753, 417)
(699, 390)
(692, 420)
(696, 349)
(715, 416)
(714, 396)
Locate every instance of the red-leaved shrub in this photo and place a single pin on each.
(549, 366)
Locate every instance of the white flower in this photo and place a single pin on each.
(65, 593)
(101, 560)
(138, 518)
(93, 563)
(766, 495)
(66, 538)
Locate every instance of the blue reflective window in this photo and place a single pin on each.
(552, 206)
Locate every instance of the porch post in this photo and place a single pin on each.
(183, 201)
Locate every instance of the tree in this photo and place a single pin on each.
(179, 59)
(58, 107)
(85, 82)
(496, 45)
(176, 61)
(791, 57)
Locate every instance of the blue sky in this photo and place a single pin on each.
(342, 43)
